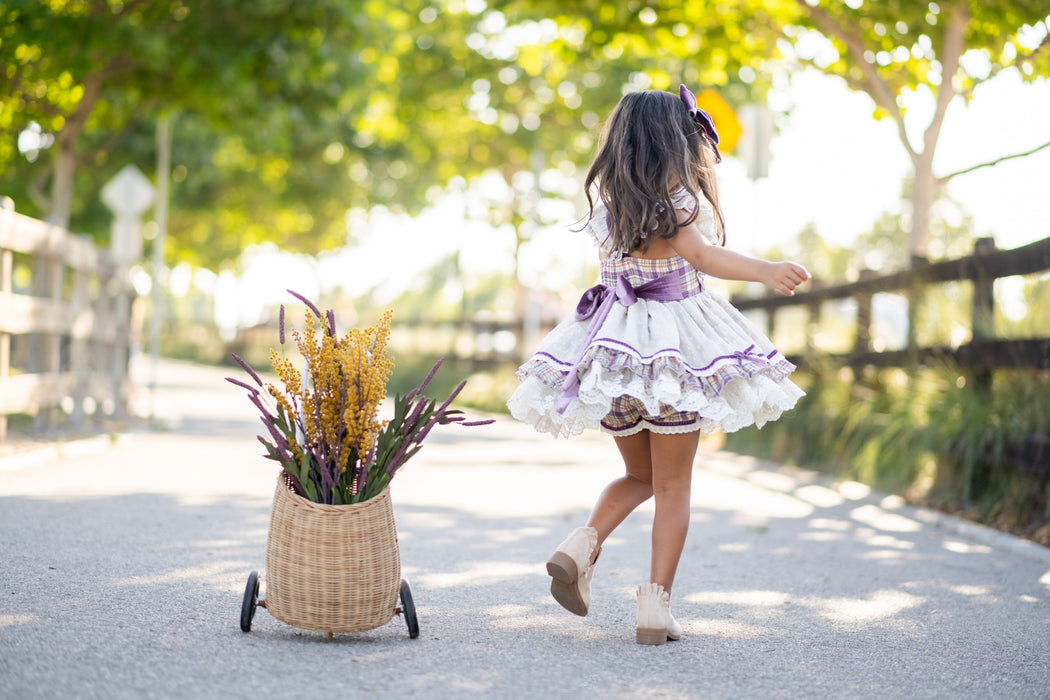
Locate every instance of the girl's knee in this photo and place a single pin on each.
(644, 479)
(673, 478)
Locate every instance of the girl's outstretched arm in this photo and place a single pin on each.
(725, 264)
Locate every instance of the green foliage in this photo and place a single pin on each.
(289, 112)
(926, 433)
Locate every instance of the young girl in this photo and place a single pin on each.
(651, 355)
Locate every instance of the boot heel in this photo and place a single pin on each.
(652, 637)
(562, 567)
(569, 597)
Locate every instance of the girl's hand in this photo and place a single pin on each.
(784, 277)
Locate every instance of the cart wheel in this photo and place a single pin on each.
(409, 609)
(251, 600)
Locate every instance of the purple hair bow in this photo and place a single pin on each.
(701, 118)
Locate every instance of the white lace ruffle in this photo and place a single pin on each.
(732, 397)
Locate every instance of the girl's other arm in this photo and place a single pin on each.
(725, 264)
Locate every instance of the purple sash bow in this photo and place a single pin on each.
(597, 302)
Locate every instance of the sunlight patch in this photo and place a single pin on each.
(821, 536)
(516, 535)
(772, 481)
(734, 547)
(509, 610)
(755, 598)
(546, 622)
(966, 548)
(830, 524)
(890, 542)
(853, 490)
(729, 628)
(217, 571)
(881, 605)
(14, 620)
(819, 496)
(881, 520)
(430, 520)
(481, 573)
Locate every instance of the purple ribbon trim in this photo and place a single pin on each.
(597, 302)
(751, 356)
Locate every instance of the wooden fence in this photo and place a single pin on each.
(983, 354)
(65, 309)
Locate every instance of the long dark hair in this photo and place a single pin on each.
(650, 148)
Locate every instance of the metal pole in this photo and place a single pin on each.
(161, 212)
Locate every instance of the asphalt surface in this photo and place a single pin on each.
(123, 567)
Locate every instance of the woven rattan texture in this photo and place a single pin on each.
(332, 569)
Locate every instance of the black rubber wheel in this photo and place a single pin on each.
(409, 609)
(251, 601)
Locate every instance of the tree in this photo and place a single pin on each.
(943, 50)
(87, 73)
(890, 49)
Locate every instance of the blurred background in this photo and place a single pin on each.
(427, 156)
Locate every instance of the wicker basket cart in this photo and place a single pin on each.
(334, 569)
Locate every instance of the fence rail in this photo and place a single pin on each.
(983, 354)
(64, 324)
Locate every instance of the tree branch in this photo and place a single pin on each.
(944, 179)
(954, 43)
(875, 86)
(112, 141)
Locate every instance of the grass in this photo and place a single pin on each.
(931, 435)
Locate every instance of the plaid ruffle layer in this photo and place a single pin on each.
(734, 392)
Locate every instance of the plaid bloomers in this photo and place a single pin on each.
(628, 414)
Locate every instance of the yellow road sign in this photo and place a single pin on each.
(726, 122)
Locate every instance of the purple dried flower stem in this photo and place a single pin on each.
(426, 380)
(441, 411)
(310, 305)
(244, 365)
(280, 325)
(243, 385)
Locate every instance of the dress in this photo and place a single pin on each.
(669, 355)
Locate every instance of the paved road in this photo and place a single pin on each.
(122, 571)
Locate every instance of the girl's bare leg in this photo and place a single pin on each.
(672, 470)
(622, 496)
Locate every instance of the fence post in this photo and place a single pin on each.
(983, 328)
(916, 295)
(813, 318)
(78, 347)
(862, 342)
(51, 270)
(983, 314)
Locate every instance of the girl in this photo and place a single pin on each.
(651, 355)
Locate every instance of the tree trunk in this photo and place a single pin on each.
(65, 158)
(924, 190)
(923, 195)
(62, 168)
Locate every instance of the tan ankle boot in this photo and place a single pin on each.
(571, 568)
(655, 624)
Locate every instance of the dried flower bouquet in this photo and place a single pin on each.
(323, 424)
